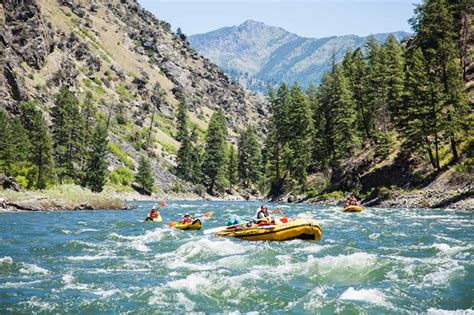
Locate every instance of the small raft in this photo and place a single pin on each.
(158, 219)
(353, 209)
(305, 229)
(194, 225)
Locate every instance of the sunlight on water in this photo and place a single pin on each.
(377, 261)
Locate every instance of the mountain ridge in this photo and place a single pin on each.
(272, 54)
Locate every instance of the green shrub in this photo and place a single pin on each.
(115, 149)
(121, 176)
(123, 92)
(177, 187)
(87, 82)
(384, 192)
(312, 193)
(334, 195)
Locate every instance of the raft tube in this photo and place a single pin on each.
(353, 209)
(305, 229)
(158, 219)
(194, 225)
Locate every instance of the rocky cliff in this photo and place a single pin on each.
(272, 54)
(128, 60)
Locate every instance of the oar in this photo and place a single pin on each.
(215, 230)
(172, 223)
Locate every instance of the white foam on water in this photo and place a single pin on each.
(355, 262)
(435, 311)
(6, 260)
(21, 284)
(443, 274)
(67, 232)
(86, 230)
(193, 283)
(139, 242)
(373, 296)
(69, 283)
(106, 293)
(36, 303)
(312, 249)
(315, 299)
(184, 301)
(30, 269)
(449, 250)
(211, 247)
(90, 257)
(374, 236)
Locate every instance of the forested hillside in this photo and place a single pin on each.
(91, 88)
(390, 117)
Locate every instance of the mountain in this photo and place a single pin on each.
(256, 51)
(131, 64)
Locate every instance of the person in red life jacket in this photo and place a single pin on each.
(153, 214)
(186, 218)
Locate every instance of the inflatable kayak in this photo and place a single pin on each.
(353, 209)
(158, 219)
(194, 225)
(305, 229)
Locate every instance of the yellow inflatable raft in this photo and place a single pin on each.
(194, 225)
(305, 229)
(353, 209)
(158, 219)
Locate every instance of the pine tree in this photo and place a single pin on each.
(68, 134)
(418, 118)
(319, 156)
(41, 150)
(214, 151)
(6, 144)
(394, 74)
(182, 117)
(196, 157)
(249, 157)
(144, 176)
(437, 35)
(299, 134)
(339, 116)
(96, 171)
(232, 167)
(355, 70)
(276, 143)
(184, 159)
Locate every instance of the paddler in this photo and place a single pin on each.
(186, 218)
(264, 213)
(153, 214)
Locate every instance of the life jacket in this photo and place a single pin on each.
(265, 214)
(154, 215)
(187, 220)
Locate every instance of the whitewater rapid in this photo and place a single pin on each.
(377, 261)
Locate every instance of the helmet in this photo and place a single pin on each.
(187, 214)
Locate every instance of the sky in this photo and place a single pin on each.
(309, 18)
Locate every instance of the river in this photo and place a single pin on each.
(377, 261)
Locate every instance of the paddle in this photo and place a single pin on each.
(215, 230)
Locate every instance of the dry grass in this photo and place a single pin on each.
(65, 197)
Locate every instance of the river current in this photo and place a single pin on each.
(378, 261)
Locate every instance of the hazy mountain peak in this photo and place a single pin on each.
(272, 54)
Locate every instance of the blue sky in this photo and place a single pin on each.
(310, 18)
